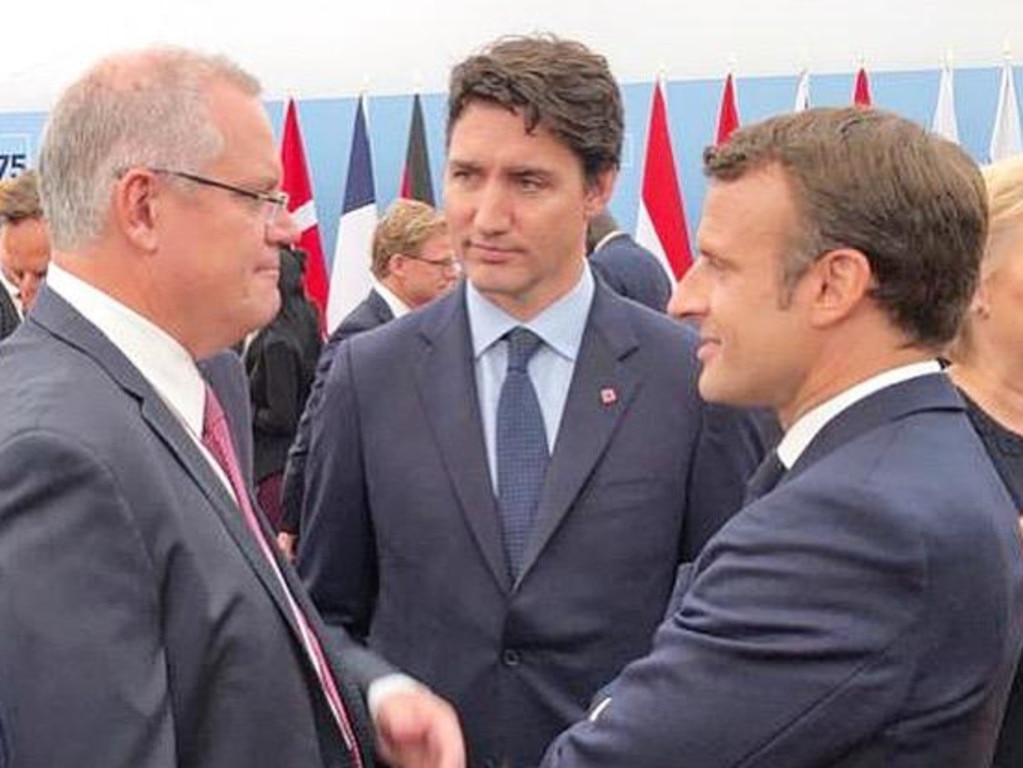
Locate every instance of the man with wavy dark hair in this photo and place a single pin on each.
(502, 485)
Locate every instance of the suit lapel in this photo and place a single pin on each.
(64, 322)
(379, 308)
(603, 386)
(444, 374)
(922, 393)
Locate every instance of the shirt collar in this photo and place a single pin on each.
(613, 234)
(560, 325)
(164, 363)
(802, 433)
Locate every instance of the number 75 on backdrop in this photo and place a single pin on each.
(15, 154)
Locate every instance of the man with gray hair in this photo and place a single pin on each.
(147, 618)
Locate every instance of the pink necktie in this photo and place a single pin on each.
(217, 439)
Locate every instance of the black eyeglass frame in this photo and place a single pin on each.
(278, 201)
(451, 263)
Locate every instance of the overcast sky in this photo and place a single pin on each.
(329, 48)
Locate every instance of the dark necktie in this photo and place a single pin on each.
(216, 436)
(765, 478)
(522, 454)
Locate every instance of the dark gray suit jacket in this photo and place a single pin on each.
(401, 542)
(142, 626)
(9, 317)
(867, 613)
(372, 312)
(632, 271)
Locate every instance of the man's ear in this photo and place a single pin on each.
(980, 304)
(136, 200)
(841, 281)
(598, 192)
(397, 264)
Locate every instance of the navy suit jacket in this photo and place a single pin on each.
(142, 625)
(401, 542)
(865, 613)
(372, 312)
(632, 271)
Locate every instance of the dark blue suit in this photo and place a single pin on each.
(401, 542)
(867, 612)
(632, 271)
(370, 313)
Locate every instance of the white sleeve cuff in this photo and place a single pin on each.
(384, 686)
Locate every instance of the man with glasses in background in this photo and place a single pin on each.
(136, 569)
(413, 262)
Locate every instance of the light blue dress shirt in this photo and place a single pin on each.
(560, 326)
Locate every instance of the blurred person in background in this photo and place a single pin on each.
(281, 362)
(626, 266)
(987, 367)
(24, 236)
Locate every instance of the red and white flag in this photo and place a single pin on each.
(728, 114)
(1006, 140)
(303, 209)
(661, 221)
(861, 89)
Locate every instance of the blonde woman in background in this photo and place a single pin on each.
(987, 366)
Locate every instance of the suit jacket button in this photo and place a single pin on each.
(510, 657)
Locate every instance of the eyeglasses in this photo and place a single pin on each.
(272, 203)
(444, 264)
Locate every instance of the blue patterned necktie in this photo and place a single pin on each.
(522, 454)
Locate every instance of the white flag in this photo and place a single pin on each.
(802, 92)
(350, 277)
(944, 122)
(1006, 139)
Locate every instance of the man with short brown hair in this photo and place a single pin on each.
(866, 606)
(24, 238)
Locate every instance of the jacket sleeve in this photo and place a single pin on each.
(80, 645)
(337, 551)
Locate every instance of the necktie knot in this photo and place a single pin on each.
(522, 345)
(213, 418)
(765, 478)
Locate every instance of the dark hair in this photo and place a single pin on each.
(559, 84)
(911, 202)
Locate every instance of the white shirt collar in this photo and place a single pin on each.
(396, 305)
(164, 363)
(608, 238)
(802, 433)
(560, 325)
